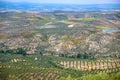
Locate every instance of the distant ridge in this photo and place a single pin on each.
(42, 7)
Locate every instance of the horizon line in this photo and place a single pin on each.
(59, 3)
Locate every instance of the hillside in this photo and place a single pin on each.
(61, 32)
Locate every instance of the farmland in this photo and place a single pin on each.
(16, 66)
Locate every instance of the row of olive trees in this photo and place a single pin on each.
(91, 65)
(84, 55)
(15, 51)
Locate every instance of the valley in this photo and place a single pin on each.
(59, 45)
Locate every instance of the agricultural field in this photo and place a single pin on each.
(37, 67)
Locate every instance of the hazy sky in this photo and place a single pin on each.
(68, 1)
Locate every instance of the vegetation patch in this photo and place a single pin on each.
(4, 35)
(102, 27)
(84, 19)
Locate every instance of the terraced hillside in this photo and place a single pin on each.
(85, 65)
(37, 67)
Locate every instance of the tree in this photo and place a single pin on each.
(78, 55)
(21, 51)
(41, 53)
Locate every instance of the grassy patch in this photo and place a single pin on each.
(84, 19)
(67, 22)
(102, 27)
(27, 34)
(4, 35)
